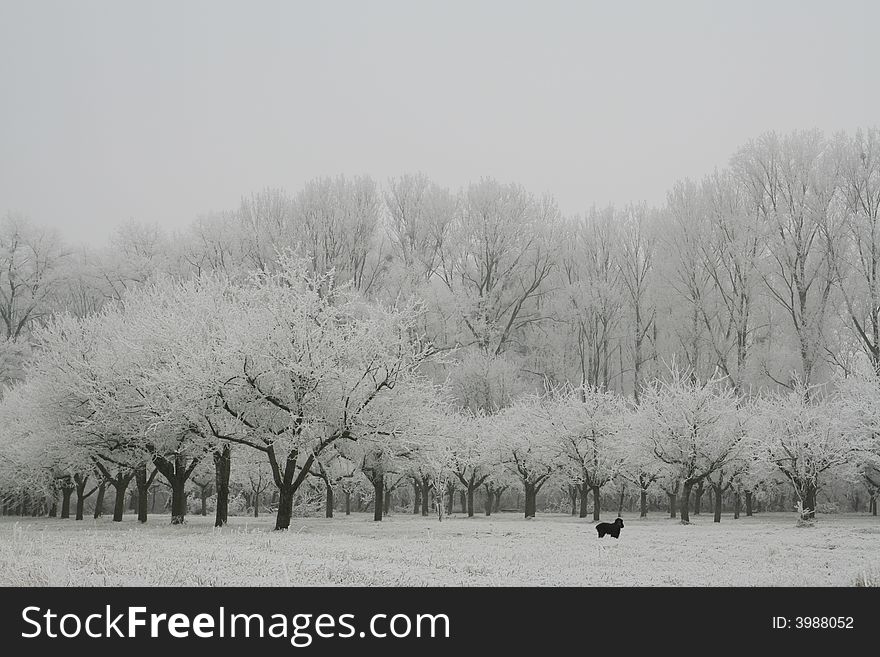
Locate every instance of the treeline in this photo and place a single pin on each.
(354, 334)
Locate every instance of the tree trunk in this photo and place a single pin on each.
(178, 501)
(328, 509)
(736, 504)
(809, 511)
(66, 492)
(378, 492)
(386, 502)
(462, 497)
(873, 504)
(643, 504)
(99, 501)
(573, 496)
(685, 505)
(142, 484)
(672, 502)
(143, 501)
(426, 501)
(718, 492)
(416, 498)
(585, 491)
(748, 503)
(176, 471)
(348, 502)
(119, 506)
(285, 508)
(450, 498)
(222, 466)
(256, 504)
(470, 502)
(531, 500)
(698, 497)
(81, 495)
(597, 502)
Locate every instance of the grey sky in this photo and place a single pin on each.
(160, 111)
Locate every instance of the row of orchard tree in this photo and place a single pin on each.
(761, 278)
(290, 378)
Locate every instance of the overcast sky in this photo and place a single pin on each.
(160, 111)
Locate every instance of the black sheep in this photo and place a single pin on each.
(612, 528)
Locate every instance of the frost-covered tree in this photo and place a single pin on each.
(693, 427)
(526, 437)
(497, 261)
(731, 248)
(791, 181)
(639, 466)
(591, 296)
(484, 384)
(857, 257)
(129, 385)
(334, 221)
(636, 263)
(589, 427)
(308, 365)
(31, 274)
(805, 437)
(420, 216)
(476, 456)
(685, 236)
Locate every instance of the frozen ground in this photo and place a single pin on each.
(504, 550)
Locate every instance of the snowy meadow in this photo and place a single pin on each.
(504, 550)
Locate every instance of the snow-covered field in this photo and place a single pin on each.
(552, 550)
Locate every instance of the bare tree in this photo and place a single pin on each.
(592, 293)
(730, 254)
(420, 215)
(792, 183)
(689, 276)
(30, 274)
(636, 263)
(339, 219)
(499, 261)
(858, 258)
